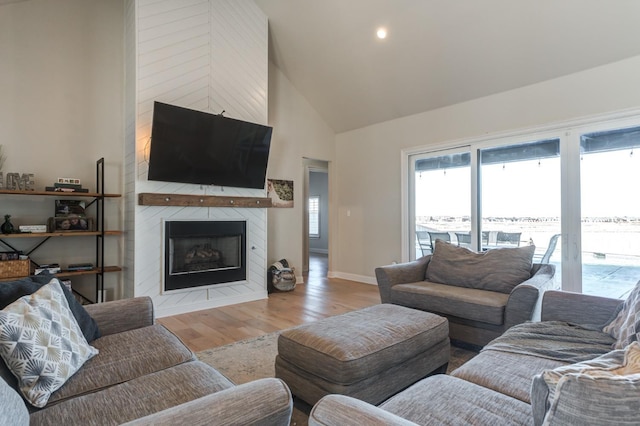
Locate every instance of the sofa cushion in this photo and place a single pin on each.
(13, 290)
(605, 390)
(469, 303)
(135, 353)
(446, 400)
(41, 342)
(497, 270)
(139, 397)
(507, 373)
(625, 326)
(13, 411)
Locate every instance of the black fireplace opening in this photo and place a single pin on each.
(203, 253)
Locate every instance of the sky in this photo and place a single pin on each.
(609, 187)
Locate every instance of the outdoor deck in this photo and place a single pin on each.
(609, 280)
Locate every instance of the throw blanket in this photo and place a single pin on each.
(556, 340)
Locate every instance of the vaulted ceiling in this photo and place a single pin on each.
(437, 52)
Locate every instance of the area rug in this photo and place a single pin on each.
(251, 359)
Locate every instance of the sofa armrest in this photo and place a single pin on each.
(261, 402)
(340, 410)
(122, 315)
(578, 308)
(401, 273)
(524, 298)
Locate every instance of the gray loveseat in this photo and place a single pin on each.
(144, 374)
(511, 380)
(482, 294)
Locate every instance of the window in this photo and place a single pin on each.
(520, 195)
(610, 211)
(569, 190)
(442, 198)
(314, 216)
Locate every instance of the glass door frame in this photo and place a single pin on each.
(568, 133)
(571, 195)
(409, 217)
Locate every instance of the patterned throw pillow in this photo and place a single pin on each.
(13, 290)
(604, 390)
(625, 327)
(41, 343)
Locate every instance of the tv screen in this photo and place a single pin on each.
(190, 146)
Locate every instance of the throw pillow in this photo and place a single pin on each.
(41, 342)
(605, 390)
(12, 291)
(625, 327)
(495, 270)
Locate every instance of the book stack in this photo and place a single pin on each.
(80, 267)
(33, 228)
(66, 185)
(52, 268)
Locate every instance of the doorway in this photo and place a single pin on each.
(316, 219)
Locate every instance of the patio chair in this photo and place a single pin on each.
(424, 242)
(464, 238)
(508, 238)
(433, 236)
(553, 241)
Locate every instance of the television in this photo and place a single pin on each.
(189, 146)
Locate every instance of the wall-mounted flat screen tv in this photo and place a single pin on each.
(190, 146)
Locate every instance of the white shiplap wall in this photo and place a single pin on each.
(210, 55)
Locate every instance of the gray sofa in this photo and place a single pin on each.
(504, 383)
(482, 294)
(144, 374)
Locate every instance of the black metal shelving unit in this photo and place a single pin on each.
(100, 233)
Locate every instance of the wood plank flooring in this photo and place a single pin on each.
(319, 297)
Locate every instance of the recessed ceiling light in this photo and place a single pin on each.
(381, 33)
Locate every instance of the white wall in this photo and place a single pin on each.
(298, 133)
(369, 160)
(61, 109)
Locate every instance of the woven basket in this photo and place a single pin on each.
(14, 268)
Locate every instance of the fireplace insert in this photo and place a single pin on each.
(203, 253)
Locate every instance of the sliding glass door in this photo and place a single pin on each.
(520, 197)
(570, 191)
(441, 199)
(610, 211)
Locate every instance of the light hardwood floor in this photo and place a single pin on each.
(319, 297)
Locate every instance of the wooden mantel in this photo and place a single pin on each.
(153, 199)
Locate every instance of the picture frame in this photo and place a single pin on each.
(71, 223)
(66, 208)
(281, 193)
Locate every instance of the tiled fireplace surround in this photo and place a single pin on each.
(209, 55)
(150, 250)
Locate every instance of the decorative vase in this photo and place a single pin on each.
(7, 226)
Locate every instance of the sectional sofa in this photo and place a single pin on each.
(563, 370)
(142, 374)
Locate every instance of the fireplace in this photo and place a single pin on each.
(203, 253)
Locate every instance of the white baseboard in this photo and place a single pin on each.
(353, 277)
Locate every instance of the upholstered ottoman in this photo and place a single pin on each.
(369, 354)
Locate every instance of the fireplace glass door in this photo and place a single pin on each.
(201, 253)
